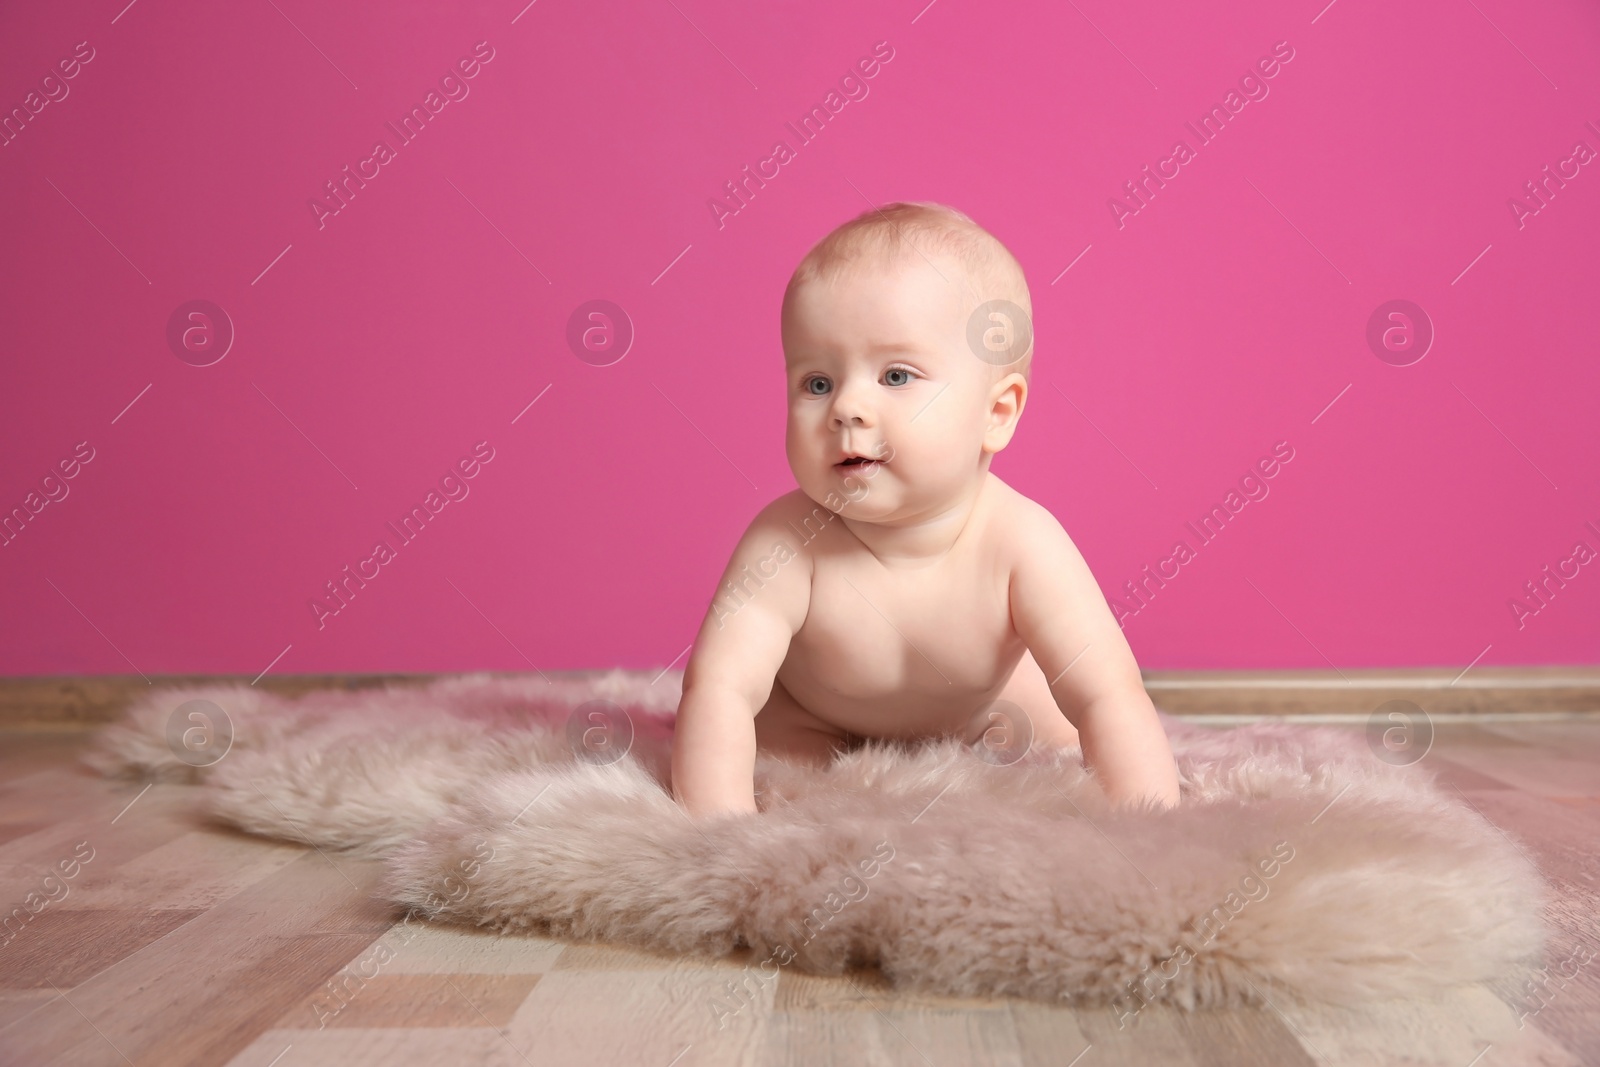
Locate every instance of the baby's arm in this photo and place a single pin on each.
(1058, 609)
(741, 645)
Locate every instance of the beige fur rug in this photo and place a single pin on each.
(1297, 862)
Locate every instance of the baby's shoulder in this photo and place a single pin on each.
(791, 507)
(1020, 522)
(792, 517)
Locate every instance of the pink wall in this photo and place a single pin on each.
(377, 347)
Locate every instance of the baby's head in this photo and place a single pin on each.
(907, 337)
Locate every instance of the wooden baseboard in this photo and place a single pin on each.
(81, 702)
(84, 701)
(1438, 691)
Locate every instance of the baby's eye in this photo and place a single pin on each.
(817, 386)
(897, 375)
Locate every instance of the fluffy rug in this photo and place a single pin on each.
(1297, 864)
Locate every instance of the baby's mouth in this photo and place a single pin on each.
(853, 464)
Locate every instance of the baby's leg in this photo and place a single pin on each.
(1030, 690)
(785, 728)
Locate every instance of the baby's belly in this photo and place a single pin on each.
(897, 702)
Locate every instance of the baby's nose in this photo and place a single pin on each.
(851, 407)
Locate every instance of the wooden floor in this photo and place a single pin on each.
(174, 942)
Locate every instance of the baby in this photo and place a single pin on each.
(903, 591)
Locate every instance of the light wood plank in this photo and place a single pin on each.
(1535, 771)
(1048, 1035)
(1155, 1035)
(575, 1017)
(1244, 1037)
(399, 1047)
(194, 870)
(285, 935)
(62, 948)
(1451, 1030)
(421, 947)
(386, 1001)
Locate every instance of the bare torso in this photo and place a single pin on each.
(907, 650)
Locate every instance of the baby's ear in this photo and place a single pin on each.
(1007, 398)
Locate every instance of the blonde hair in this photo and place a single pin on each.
(920, 230)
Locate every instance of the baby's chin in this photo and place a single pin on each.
(881, 499)
(855, 496)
